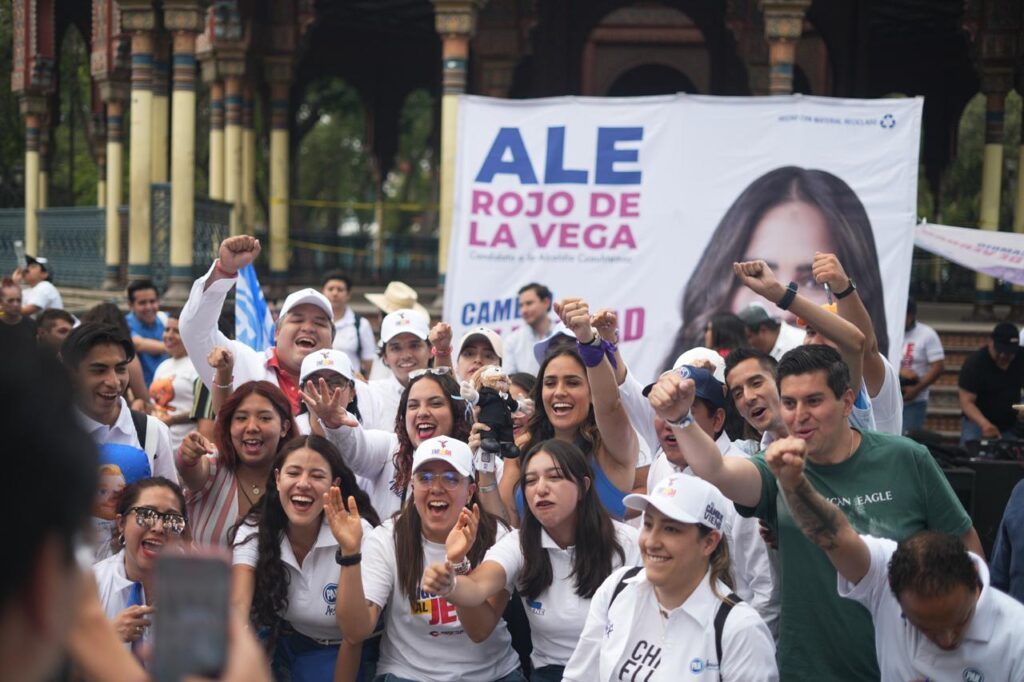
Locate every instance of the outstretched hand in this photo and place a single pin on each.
(194, 446)
(327, 405)
(463, 535)
(346, 525)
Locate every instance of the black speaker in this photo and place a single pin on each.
(962, 480)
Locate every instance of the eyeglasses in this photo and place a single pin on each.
(147, 517)
(436, 371)
(449, 479)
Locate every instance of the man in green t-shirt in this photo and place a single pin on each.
(887, 486)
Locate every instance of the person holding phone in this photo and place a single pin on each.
(151, 518)
(425, 637)
(227, 480)
(566, 547)
(430, 407)
(286, 559)
(677, 612)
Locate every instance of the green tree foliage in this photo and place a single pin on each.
(73, 170)
(12, 136)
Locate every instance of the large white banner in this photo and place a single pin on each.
(999, 254)
(643, 204)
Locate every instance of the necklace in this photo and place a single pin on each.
(255, 490)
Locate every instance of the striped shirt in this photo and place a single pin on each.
(213, 509)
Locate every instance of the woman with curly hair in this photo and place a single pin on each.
(430, 406)
(226, 481)
(285, 572)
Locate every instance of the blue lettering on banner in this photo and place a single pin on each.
(508, 156)
(487, 312)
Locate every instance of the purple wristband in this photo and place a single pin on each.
(592, 355)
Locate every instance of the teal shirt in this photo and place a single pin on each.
(890, 487)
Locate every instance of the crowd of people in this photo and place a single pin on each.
(753, 513)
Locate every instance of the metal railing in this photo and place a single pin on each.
(410, 259)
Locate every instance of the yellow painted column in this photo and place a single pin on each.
(216, 169)
(115, 171)
(279, 191)
(991, 186)
(248, 217)
(161, 112)
(32, 121)
(139, 193)
(233, 150)
(1018, 216)
(183, 159)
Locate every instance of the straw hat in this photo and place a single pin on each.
(398, 296)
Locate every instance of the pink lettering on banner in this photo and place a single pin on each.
(603, 204)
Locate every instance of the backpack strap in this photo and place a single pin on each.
(140, 420)
(723, 612)
(622, 583)
(359, 338)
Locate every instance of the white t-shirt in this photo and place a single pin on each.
(312, 587)
(173, 387)
(749, 558)
(993, 645)
(558, 614)
(347, 338)
(789, 338)
(629, 639)
(921, 347)
(44, 295)
(888, 404)
(428, 642)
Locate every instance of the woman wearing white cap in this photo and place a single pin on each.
(566, 547)
(334, 368)
(676, 614)
(430, 406)
(424, 638)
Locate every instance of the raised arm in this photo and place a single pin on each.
(822, 522)
(620, 440)
(193, 465)
(366, 451)
(759, 278)
(827, 269)
(355, 616)
(737, 477)
(440, 337)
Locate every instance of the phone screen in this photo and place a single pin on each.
(190, 625)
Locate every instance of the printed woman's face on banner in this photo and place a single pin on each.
(787, 238)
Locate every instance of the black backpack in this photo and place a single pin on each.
(723, 611)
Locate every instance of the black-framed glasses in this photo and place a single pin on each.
(147, 517)
(449, 479)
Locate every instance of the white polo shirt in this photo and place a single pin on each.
(993, 646)
(631, 640)
(312, 587)
(113, 584)
(427, 642)
(161, 462)
(558, 614)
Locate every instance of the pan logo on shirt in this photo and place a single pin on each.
(330, 595)
(642, 663)
(535, 607)
(973, 675)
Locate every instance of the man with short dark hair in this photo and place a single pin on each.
(886, 484)
(353, 333)
(538, 324)
(935, 616)
(52, 327)
(990, 383)
(13, 324)
(750, 381)
(768, 334)
(147, 325)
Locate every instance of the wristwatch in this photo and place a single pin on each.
(349, 560)
(847, 291)
(683, 422)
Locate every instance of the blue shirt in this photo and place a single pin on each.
(153, 331)
(1007, 568)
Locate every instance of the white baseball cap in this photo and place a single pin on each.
(686, 499)
(488, 335)
(444, 449)
(326, 359)
(304, 296)
(404, 322)
(699, 355)
(540, 349)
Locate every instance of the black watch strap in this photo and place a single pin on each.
(787, 299)
(350, 560)
(847, 291)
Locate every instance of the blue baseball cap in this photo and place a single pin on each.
(708, 387)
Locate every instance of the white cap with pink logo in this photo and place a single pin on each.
(444, 449)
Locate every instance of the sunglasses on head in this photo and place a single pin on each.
(436, 371)
(449, 479)
(147, 517)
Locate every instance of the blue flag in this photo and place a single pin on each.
(253, 325)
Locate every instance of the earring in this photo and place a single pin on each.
(120, 539)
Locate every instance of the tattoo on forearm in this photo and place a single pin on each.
(819, 519)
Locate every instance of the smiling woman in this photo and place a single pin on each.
(285, 568)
